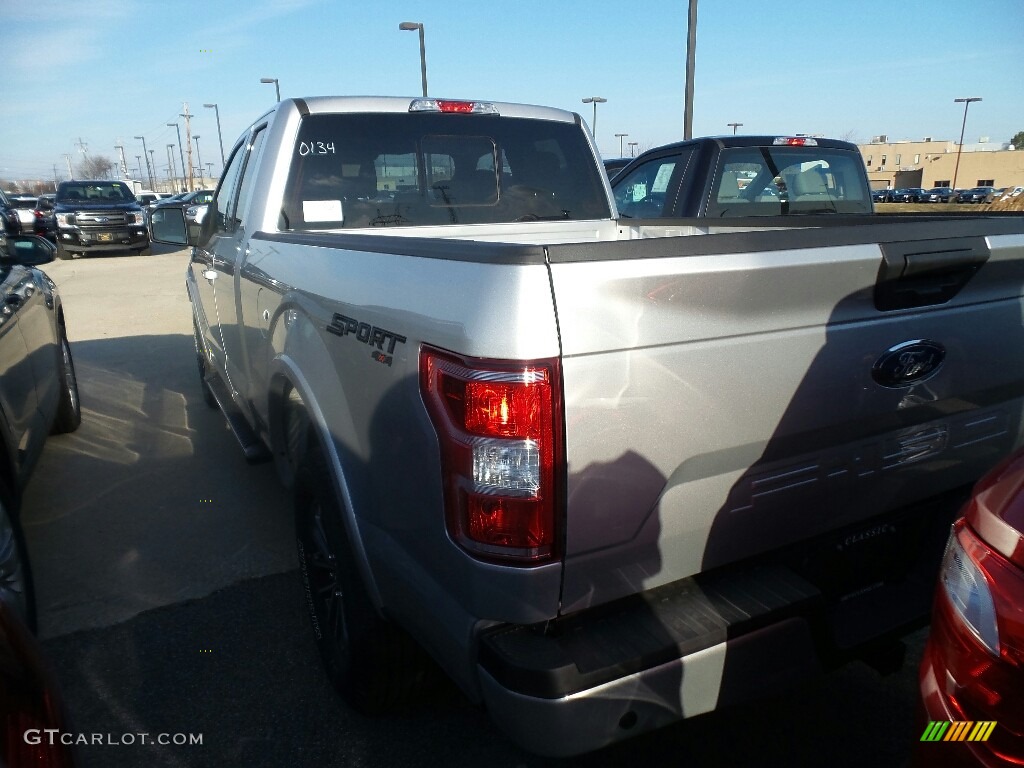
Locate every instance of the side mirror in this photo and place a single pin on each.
(29, 250)
(168, 225)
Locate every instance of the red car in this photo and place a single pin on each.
(972, 674)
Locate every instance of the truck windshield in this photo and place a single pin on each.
(94, 192)
(773, 181)
(387, 170)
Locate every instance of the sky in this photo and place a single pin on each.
(97, 73)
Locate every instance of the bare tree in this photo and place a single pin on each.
(95, 167)
(850, 136)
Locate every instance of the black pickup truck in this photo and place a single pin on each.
(736, 176)
(98, 216)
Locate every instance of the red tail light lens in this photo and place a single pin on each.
(982, 683)
(499, 425)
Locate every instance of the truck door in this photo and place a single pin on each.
(228, 254)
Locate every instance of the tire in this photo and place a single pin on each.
(208, 397)
(16, 587)
(63, 253)
(375, 666)
(69, 409)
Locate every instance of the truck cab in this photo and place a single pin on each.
(740, 176)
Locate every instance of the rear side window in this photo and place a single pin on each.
(387, 170)
(774, 181)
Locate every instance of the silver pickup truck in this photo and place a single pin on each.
(607, 473)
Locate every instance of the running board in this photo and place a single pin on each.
(253, 448)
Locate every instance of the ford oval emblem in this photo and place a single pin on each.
(908, 363)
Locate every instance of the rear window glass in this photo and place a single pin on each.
(95, 191)
(25, 203)
(773, 181)
(387, 170)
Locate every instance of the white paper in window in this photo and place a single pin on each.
(321, 210)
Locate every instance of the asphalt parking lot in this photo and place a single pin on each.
(169, 599)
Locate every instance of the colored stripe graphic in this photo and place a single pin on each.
(958, 730)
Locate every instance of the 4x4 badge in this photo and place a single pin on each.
(908, 363)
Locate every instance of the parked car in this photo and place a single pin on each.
(880, 195)
(615, 164)
(24, 205)
(98, 217)
(975, 195)
(146, 197)
(939, 195)
(185, 201)
(973, 665)
(45, 223)
(1011, 192)
(909, 195)
(9, 219)
(38, 396)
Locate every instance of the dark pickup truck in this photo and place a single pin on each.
(98, 216)
(738, 176)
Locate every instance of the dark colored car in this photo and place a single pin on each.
(98, 216)
(880, 195)
(38, 396)
(9, 216)
(184, 200)
(613, 165)
(909, 195)
(972, 674)
(939, 195)
(45, 223)
(976, 195)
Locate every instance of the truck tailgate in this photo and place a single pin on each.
(723, 405)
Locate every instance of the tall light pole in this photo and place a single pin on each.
(171, 170)
(967, 104)
(691, 57)
(595, 100)
(145, 153)
(277, 86)
(219, 136)
(632, 148)
(410, 26)
(138, 159)
(185, 184)
(152, 164)
(620, 135)
(199, 157)
(734, 126)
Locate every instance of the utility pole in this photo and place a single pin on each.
(691, 58)
(55, 177)
(188, 144)
(71, 174)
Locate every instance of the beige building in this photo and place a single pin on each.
(927, 163)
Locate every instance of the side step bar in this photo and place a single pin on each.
(253, 448)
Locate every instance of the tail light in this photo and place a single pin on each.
(499, 425)
(978, 638)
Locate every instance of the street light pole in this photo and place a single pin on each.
(409, 26)
(171, 170)
(691, 57)
(620, 135)
(632, 148)
(967, 104)
(219, 136)
(734, 126)
(145, 153)
(277, 86)
(185, 184)
(595, 100)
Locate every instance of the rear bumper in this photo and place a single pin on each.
(610, 673)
